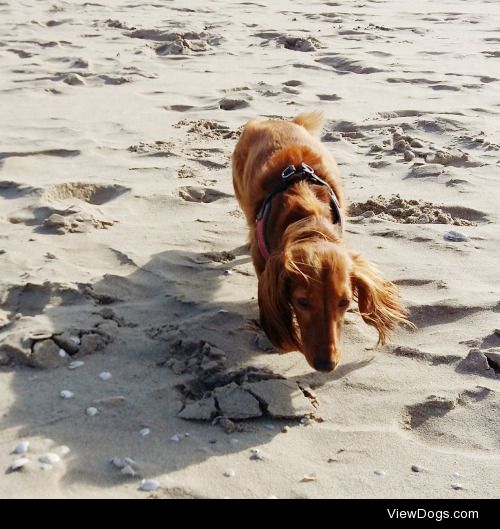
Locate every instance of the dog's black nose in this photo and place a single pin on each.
(323, 364)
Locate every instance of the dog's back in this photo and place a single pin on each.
(268, 146)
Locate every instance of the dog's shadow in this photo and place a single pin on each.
(175, 292)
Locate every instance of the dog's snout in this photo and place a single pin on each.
(323, 364)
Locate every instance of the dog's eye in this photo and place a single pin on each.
(343, 303)
(303, 302)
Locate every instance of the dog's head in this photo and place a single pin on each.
(305, 290)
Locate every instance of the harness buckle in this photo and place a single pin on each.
(306, 168)
(288, 171)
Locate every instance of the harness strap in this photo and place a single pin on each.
(291, 175)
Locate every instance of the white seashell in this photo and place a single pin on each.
(75, 364)
(176, 438)
(22, 447)
(91, 411)
(229, 473)
(149, 484)
(127, 470)
(63, 450)
(380, 472)
(75, 339)
(66, 394)
(105, 375)
(457, 486)
(62, 353)
(49, 458)
(18, 464)
(145, 432)
(40, 335)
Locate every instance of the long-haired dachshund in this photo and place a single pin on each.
(288, 186)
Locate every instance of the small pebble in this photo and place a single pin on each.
(212, 441)
(400, 146)
(409, 155)
(91, 411)
(120, 463)
(285, 429)
(230, 473)
(187, 434)
(256, 455)
(269, 426)
(456, 475)
(105, 375)
(127, 470)
(305, 421)
(117, 462)
(417, 468)
(149, 485)
(75, 340)
(66, 394)
(234, 441)
(222, 311)
(176, 438)
(22, 447)
(455, 236)
(227, 272)
(308, 477)
(76, 364)
(457, 486)
(62, 353)
(18, 464)
(49, 459)
(380, 472)
(145, 432)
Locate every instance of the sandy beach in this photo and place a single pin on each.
(132, 363)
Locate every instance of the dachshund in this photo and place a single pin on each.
(289, 188)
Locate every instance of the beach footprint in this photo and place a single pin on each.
(468, 421)
(201, 194)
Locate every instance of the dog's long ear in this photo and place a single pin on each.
(378, 299)
(276, 316)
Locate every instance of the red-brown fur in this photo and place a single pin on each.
(310, 273)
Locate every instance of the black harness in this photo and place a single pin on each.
(291, 175)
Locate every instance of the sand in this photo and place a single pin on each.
(122, 245)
